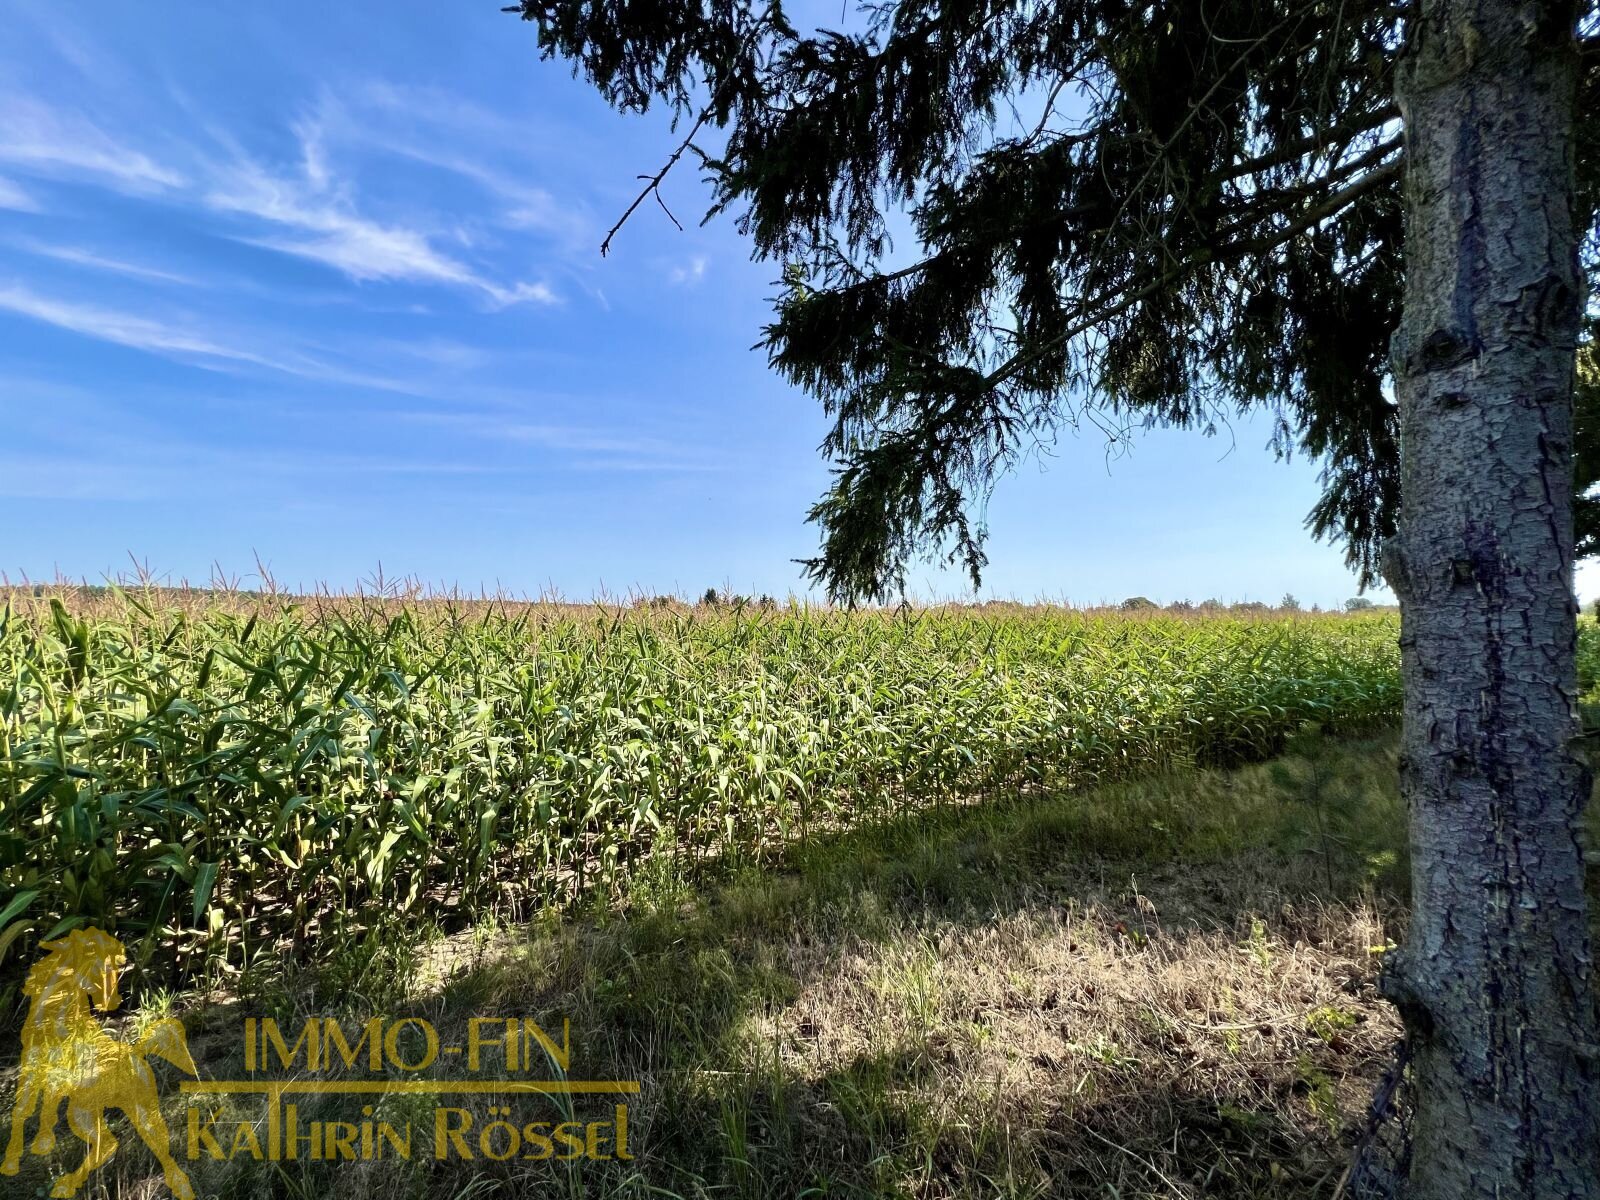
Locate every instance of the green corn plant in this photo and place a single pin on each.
(216, 778)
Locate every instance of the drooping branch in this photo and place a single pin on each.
(1123, 295)
(1194, 212)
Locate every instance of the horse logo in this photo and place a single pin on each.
(67, 1056)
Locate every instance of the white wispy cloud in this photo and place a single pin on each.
(13, 196)
(309, 207)
(584, 447)
(520, 206)
(78, 256)
(120, 328)
(441, 352)
(313, 155)
(134, 470)
(187, 342)
(566, 437)
(40, 139)
(320, 222)
(439, 129)
(691, 273)
(34, 476)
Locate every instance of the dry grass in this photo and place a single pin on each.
(1160, 988)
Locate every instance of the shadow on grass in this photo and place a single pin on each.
(1161, 987)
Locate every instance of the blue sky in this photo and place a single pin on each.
(319, 285)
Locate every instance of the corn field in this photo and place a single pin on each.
(215, 781)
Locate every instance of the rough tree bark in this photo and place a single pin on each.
(1494, 981)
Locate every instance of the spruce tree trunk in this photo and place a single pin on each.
(1494, 980)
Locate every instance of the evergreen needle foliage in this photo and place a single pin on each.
(1119, 214)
